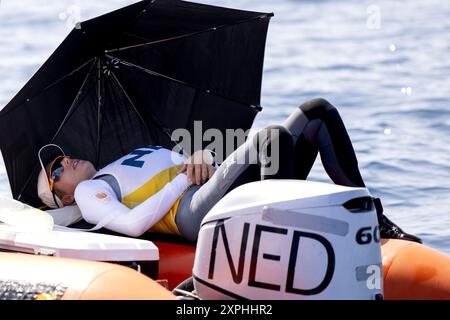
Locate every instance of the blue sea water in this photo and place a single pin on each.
(383, 63)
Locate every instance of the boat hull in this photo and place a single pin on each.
(411, 271)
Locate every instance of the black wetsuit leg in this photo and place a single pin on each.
(316, 126)
(269, 154)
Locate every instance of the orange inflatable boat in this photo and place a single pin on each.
(411, 271)
(30, 277)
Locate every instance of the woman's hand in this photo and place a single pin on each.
(198, 167)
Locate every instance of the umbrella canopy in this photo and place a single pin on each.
(129, 78)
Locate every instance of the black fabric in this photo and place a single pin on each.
(129, 78)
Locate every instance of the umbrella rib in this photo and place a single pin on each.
(188, 34)
(99, 113)
(142, 12)
(60, 127)
(128, 98)
(69, 74)
(156, 41)
(153, 73)
(156, 74)
(69, 113)
(155, 119)
(57, 81)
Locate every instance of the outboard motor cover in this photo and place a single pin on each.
(290, 239)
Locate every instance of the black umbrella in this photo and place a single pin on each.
(129, 78)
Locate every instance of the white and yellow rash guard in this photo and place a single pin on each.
(151, 188)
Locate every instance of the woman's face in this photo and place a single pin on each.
(74, 172)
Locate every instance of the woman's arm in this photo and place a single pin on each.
(96, 199)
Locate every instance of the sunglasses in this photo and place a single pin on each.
(55, 170)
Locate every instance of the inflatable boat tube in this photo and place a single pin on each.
(412, 271)
(30, 277)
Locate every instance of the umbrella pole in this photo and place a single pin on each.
(99, 111)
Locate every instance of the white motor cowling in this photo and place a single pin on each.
(290, 239)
